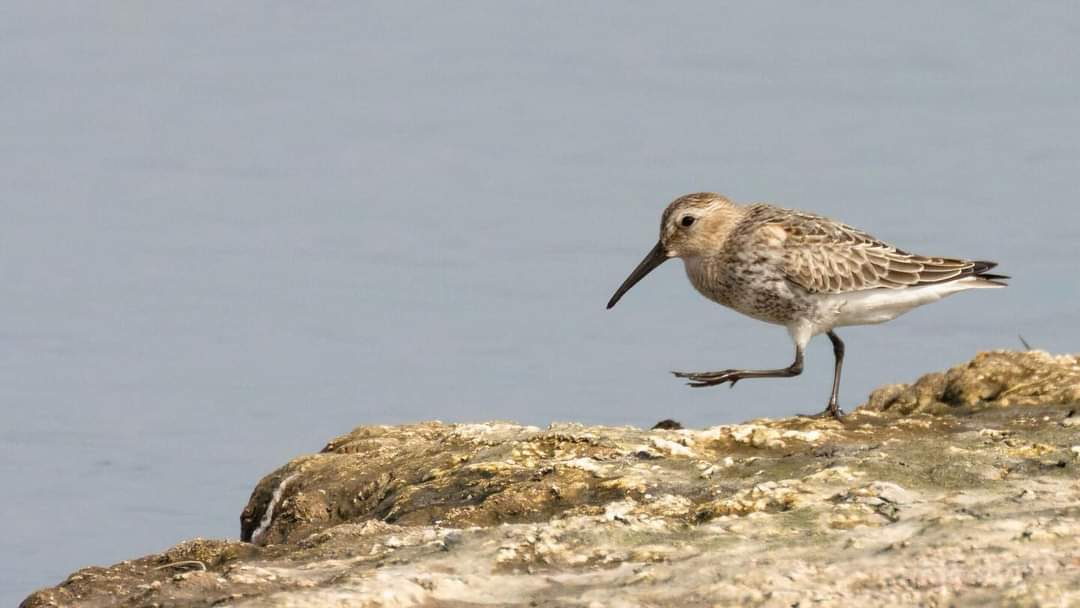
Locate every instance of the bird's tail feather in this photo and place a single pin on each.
(980, 272)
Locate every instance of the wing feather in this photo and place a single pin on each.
(824, 256)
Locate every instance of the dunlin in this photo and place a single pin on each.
(800, 270)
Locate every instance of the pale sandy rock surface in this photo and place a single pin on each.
(959, 490)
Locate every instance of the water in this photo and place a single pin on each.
(233, 231)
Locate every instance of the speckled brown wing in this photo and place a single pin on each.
(824, 256)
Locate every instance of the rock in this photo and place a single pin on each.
(997, 378)
(671, 447)
(961, 489)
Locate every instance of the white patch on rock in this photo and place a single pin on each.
(620, 510)
(588, 465)
(891, 492)
(671, 447)
(268, 515)
(807, 436)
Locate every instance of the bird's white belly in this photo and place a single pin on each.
(879, 305)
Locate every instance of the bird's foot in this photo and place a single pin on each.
(831, 411)
(702, 379)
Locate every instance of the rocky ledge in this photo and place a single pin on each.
(960, 489)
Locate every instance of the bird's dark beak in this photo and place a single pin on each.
(657, 256)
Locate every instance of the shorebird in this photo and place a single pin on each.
(800, 270)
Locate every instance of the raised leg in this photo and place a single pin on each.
(702, 379)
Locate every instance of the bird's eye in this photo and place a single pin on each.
(687, 220)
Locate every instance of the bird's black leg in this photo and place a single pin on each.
(838, 351)
(701, 379)
(832, 410)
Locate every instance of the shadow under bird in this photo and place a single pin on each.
(800, 270)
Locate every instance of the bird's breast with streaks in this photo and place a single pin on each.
(752, 283)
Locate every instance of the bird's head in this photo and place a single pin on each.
(692, 225)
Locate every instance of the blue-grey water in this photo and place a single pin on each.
(231, 231)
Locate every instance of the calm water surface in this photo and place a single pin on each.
(233, 231)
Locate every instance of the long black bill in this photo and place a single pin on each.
(654, 258)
